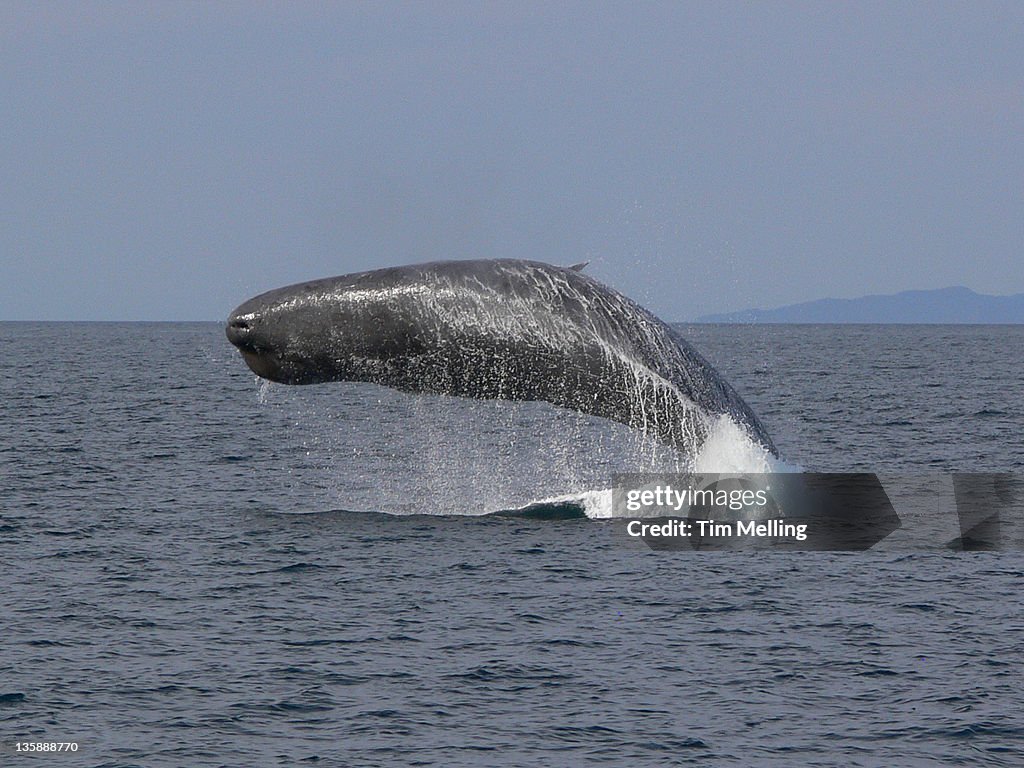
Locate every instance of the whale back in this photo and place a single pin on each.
(522, 330)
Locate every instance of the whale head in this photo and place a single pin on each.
(350, 328)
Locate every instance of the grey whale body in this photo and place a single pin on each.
(492, 329)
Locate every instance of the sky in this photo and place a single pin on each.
(167, 160)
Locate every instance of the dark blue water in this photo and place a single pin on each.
(165, 602)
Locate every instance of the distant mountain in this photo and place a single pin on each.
(944, 305)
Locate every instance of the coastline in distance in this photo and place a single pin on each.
(943, 305)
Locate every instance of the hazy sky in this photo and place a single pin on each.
(168, 160)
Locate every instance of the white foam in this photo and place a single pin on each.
(597, 504)
(729, 449)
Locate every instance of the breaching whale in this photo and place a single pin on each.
(493, 329)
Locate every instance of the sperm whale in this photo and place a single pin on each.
(504, 329)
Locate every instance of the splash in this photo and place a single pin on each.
(363, 447)
(263, 388)
(729, 449)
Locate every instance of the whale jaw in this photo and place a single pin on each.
(262, 365)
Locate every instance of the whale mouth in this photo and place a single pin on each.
(240, 333)
(261, 363)
(261, 360)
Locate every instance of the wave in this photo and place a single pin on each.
(728, 449)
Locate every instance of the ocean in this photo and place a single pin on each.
(203, 570)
